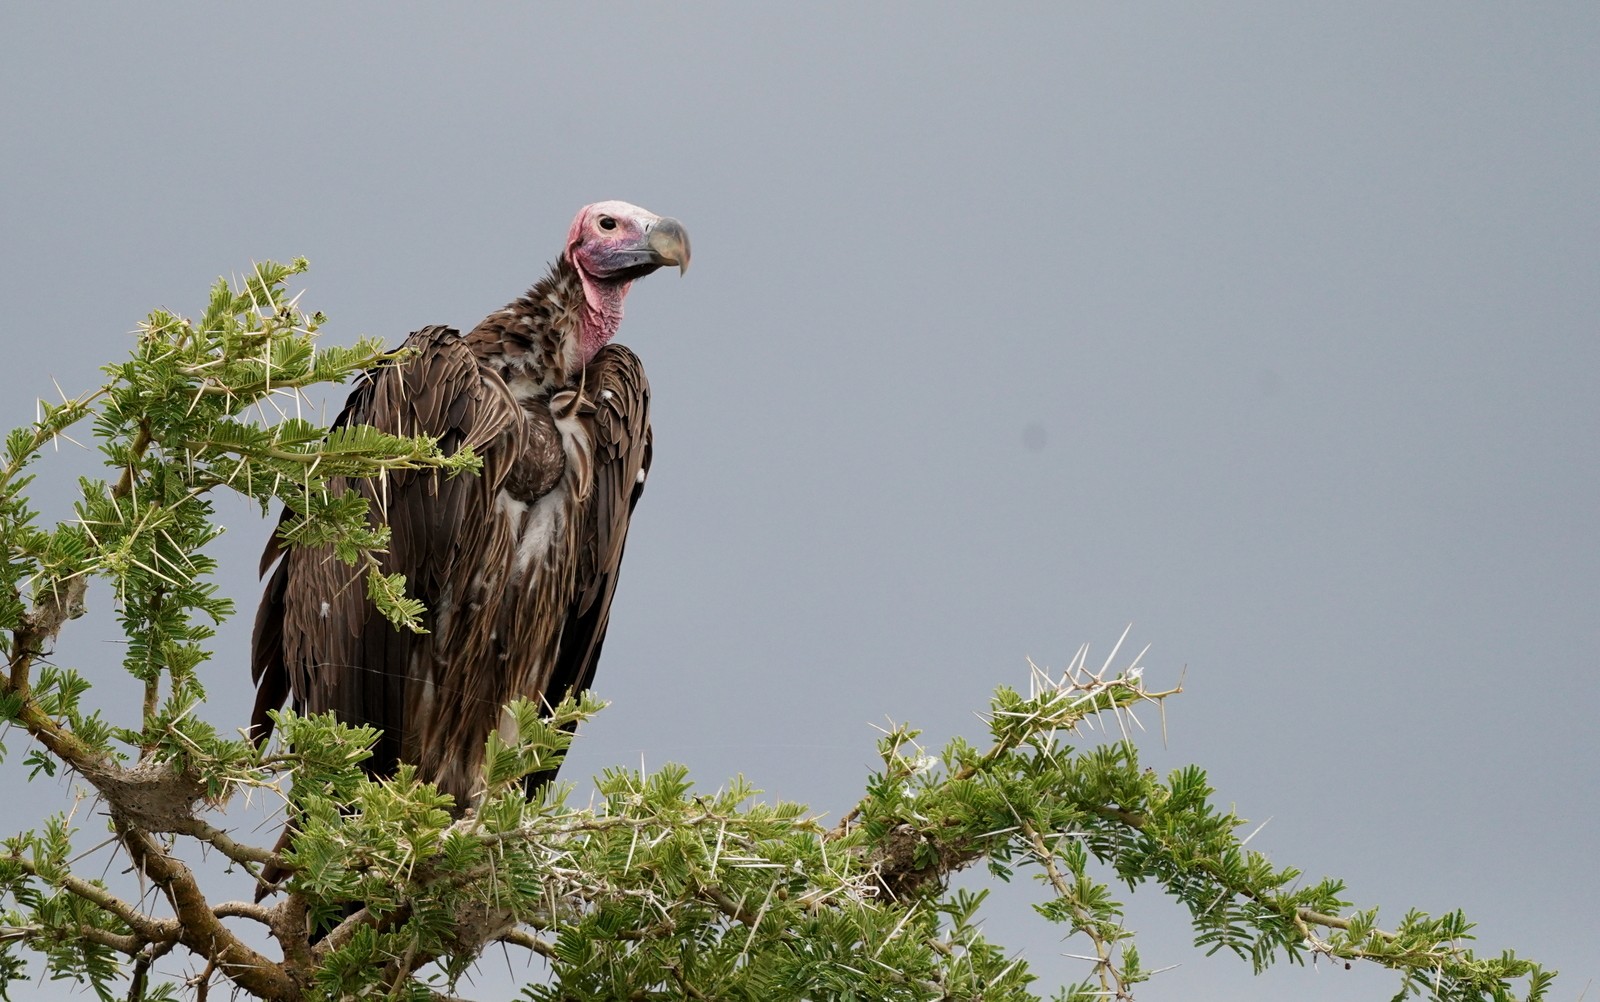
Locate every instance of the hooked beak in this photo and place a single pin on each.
(664, 243)
(668, 244)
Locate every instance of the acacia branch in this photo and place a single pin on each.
(312, 458)
(200, 928)
(1106, 969)
(40, 625)
(126, 943)
(1300, 916)
(343, 932)
(728, 906)
(1084, 687)
(528, 941)
(150, 930)
(246, 909)
(136, 451)
(224, 843)
(120, 942)
(141, 969)
(60, 741)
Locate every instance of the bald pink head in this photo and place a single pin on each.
(610, 245)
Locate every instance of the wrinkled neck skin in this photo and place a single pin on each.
(599, 316)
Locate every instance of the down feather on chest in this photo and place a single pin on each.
(545, 481)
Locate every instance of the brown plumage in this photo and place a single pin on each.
(517, 566)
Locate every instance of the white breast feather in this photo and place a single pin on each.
(540, 526)
(540, 529)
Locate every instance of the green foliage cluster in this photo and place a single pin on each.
(655, 891)
(671, 892)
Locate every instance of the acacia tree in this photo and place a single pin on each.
(658, 891)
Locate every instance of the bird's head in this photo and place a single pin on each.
(619, 242)
(610, 245)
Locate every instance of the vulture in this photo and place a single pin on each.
(516, 565)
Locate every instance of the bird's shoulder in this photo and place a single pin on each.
(435, 384)
(616, 411)
(616, 400)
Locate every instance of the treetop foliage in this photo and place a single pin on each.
(656, 890)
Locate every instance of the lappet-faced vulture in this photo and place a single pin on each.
(517, 565)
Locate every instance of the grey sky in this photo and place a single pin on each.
(1273, 332)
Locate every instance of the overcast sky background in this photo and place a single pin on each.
(1271, 331)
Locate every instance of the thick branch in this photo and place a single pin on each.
(245, 909)
(146, 928)
(57, 739)
(40, 626)
(128, 944)
(201, 930)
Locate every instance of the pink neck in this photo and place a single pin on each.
(599, 316)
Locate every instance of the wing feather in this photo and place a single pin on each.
(497, 627)
(317, 638)
(616, 414)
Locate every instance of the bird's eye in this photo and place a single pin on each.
(607, 223)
